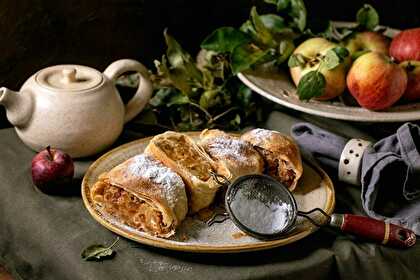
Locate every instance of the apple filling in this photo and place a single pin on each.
(278, 168)
(129, 209)
(180, 150)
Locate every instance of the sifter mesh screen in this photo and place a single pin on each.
(260, 205)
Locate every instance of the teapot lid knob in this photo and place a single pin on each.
(69, 75)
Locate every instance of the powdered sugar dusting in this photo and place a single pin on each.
(226, 147)
(262, 134)
(144, 166)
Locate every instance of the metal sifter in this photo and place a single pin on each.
(264, 208)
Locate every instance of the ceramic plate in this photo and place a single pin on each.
(314, 190)
(278, 87)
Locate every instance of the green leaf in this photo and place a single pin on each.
(98, 252)
(207, 98)
(367, 17)
(341, 52)
(179, 59)
(249, 29)
(244, 95)
(178, 99)
(312, 84)
(298, 13)
(286, 48)
(263, 33)
(224, 39)
(236, 121)
(159, 97)
(282, 4)
(243, 57)
(273, 22)
(297, 60)
(331, 60)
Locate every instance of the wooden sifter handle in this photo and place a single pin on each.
(375, 230)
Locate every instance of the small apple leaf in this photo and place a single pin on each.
(341, 52)
(367, 17)
(224, 39)
(312, 84)
(99, 252)
(297, 60)
(331, 59)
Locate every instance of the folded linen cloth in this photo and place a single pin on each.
(390, 170)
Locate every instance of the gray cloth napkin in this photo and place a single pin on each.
(390, 171)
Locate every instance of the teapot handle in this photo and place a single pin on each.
(144, 91)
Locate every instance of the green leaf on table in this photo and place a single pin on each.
(224, 39)
(243, 57)
(178, 99)
(298, 13)
(367, 17)
(312, 84)
(297, 60)
(99, 252)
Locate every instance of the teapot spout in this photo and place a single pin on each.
(19, 106)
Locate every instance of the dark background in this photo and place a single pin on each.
(39, 33)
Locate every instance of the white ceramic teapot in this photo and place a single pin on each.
(74, 108)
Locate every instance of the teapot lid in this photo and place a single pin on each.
(69, 78)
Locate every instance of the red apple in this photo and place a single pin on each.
(375, 81)
(406, 45)
(413, 86)
(52, 170)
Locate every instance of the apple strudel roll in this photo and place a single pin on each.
(280, 153)
(180, 153)
(144, 194)
(237, 155)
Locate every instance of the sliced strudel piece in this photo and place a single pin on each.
(281, 155)
(180, 153)
(144, 194)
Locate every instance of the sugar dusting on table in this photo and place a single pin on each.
(144, 166)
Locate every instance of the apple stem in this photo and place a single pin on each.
(49, 152)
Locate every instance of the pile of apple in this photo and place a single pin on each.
(376, 72)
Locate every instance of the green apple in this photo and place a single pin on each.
(314, 50)
(376, 82)
(362, 42)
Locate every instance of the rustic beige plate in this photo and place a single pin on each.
(315, 190)
(278, 87)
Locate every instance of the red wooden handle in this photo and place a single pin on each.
(378, 231)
